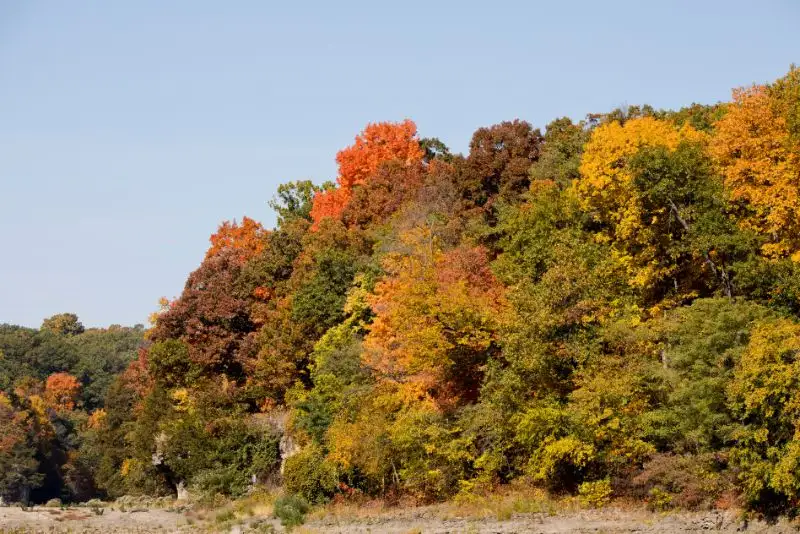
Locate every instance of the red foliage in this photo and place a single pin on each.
(136, 376)
(393, 184)
(470, 265)
(212, 316)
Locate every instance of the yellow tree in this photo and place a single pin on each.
(608, 193)
(759, 160)
(436, 317)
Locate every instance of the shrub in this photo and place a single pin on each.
(291, 510)
(53, 503)
(688, 482)
(225, 516)
(308, 474)
(221, 480)
(596, 493)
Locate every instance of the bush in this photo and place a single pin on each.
(308, 474)
(291, 510)
(595, 494)
(687, 482)
(222, 480)
(53, 503)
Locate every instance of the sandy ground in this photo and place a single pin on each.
(55, 520)
(415, 521)
(587, 521)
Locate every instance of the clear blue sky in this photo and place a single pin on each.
(129, 130)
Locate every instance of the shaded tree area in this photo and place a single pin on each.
(53, 382)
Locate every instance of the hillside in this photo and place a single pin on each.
(605, 308)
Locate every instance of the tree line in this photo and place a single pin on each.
(610, 307)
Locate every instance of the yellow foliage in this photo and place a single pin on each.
(434, 308)
(183, 402)
(761, 169)
(606, 192)
(97, 419)
(125, 468)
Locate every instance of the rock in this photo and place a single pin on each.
(183, 493)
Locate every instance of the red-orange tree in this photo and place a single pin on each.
(61, 391)
(246, 238)
(378, 143)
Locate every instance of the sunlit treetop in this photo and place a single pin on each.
(759, 157)
(379, 142)
(247, 238)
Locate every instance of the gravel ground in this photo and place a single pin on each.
(587, 521)
(414, 521)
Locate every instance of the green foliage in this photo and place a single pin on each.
(294, 200)
(309, 475)
(170, 364)
(560, 156)
(217, 452)
(320, 302)
(65, 324)
(763, 395)
(701, 345)
(291, 510)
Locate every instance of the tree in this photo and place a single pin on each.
(65, 324)
(295, 199)
(61, 391)
(560, 154)
(435, 322)
(636, 208)
(759, 159)
(212, 316)
(499, 160)
(329, 203)
(393, 184)
(247, 238)
(378, 143)
(763, 396)
(18, 464)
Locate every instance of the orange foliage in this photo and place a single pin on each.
(329, 204)
(436, 321)
(247, 238)
(761, 168)
(97, 419)
(378, 143)
(61, 391)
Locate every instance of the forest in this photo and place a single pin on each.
(607, 308)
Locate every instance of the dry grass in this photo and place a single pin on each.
(502, 504)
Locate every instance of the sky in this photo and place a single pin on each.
(130, 130)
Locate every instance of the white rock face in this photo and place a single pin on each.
(183, 493)
(278, 420)
(161, 443)
(288, 448)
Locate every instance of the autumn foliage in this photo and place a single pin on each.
(379, 143)
(607, 309)
(61, 391)
(760, 164)
(246, 238)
